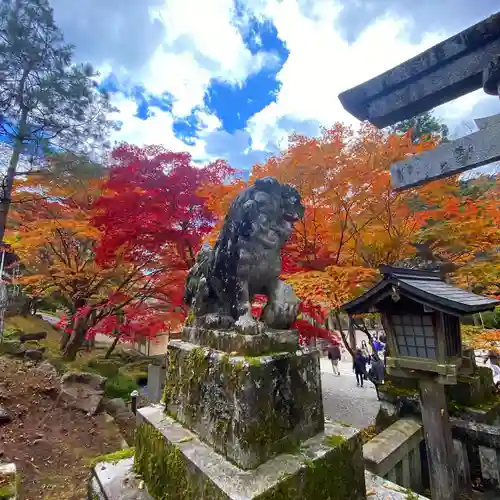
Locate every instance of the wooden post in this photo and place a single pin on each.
(438, 441)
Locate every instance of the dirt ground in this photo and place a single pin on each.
(50, 443)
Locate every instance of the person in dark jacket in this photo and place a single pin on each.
(376, 374)
(359, 367)
(334, 355)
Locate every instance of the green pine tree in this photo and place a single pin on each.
(422, 126)
(45, 99)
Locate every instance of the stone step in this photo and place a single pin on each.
(118, 482)
(171, 458)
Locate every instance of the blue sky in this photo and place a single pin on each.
(233, 78)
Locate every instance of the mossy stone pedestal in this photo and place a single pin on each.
(177, 465)
(245, 423)
(248, 409)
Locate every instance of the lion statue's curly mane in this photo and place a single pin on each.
(245, 261)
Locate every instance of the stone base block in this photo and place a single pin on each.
(473, 389)
(231, 341)
(176, 464)
(118, 482)
(248, 408)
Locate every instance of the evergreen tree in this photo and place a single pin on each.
(45, 99)
(422, 126)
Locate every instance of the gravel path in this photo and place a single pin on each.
(343, 401)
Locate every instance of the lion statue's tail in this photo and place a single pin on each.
(198, 274)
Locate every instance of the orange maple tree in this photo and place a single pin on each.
(462, 220)
(53, 234)
(354, 221)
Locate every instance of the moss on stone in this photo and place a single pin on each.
(396, 390)
(170, 380)
(162, 467)
(253, 360)
(113, 457)
(334, 441)
(410, 495)
(196, 366)
(10, 485)
(190, 318)
(487, 405)
(267, 431)
(7, 492)
(207, 391)
(337, 471)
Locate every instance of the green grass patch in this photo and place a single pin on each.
(112, 457)
(105, 367)
(33, 324)
(120, 386)
(334, 441)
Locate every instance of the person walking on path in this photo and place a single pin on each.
(334, 355)
(359, 367)
(376, 374)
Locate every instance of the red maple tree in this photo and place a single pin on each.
(152, 219)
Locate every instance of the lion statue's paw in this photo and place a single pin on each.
(248, 325)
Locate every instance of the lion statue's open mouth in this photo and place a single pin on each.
(245, 261)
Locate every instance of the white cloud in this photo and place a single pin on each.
(181, 76)
(322, 64)
(158, 128)
(202, 43)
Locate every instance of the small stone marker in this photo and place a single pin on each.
(156, 379)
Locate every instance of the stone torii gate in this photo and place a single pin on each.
(459, 65)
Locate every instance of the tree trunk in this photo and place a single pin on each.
(25, 308)
(65, 336)
(91, 344)
(342, 334)
(364, 329)
(76, 339)
(8, 179)
(352, 336)
(112, 347)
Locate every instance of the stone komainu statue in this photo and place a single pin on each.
(245, 261)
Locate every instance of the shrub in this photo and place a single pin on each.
(491, 319)
(105, 367)
(119, 386)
